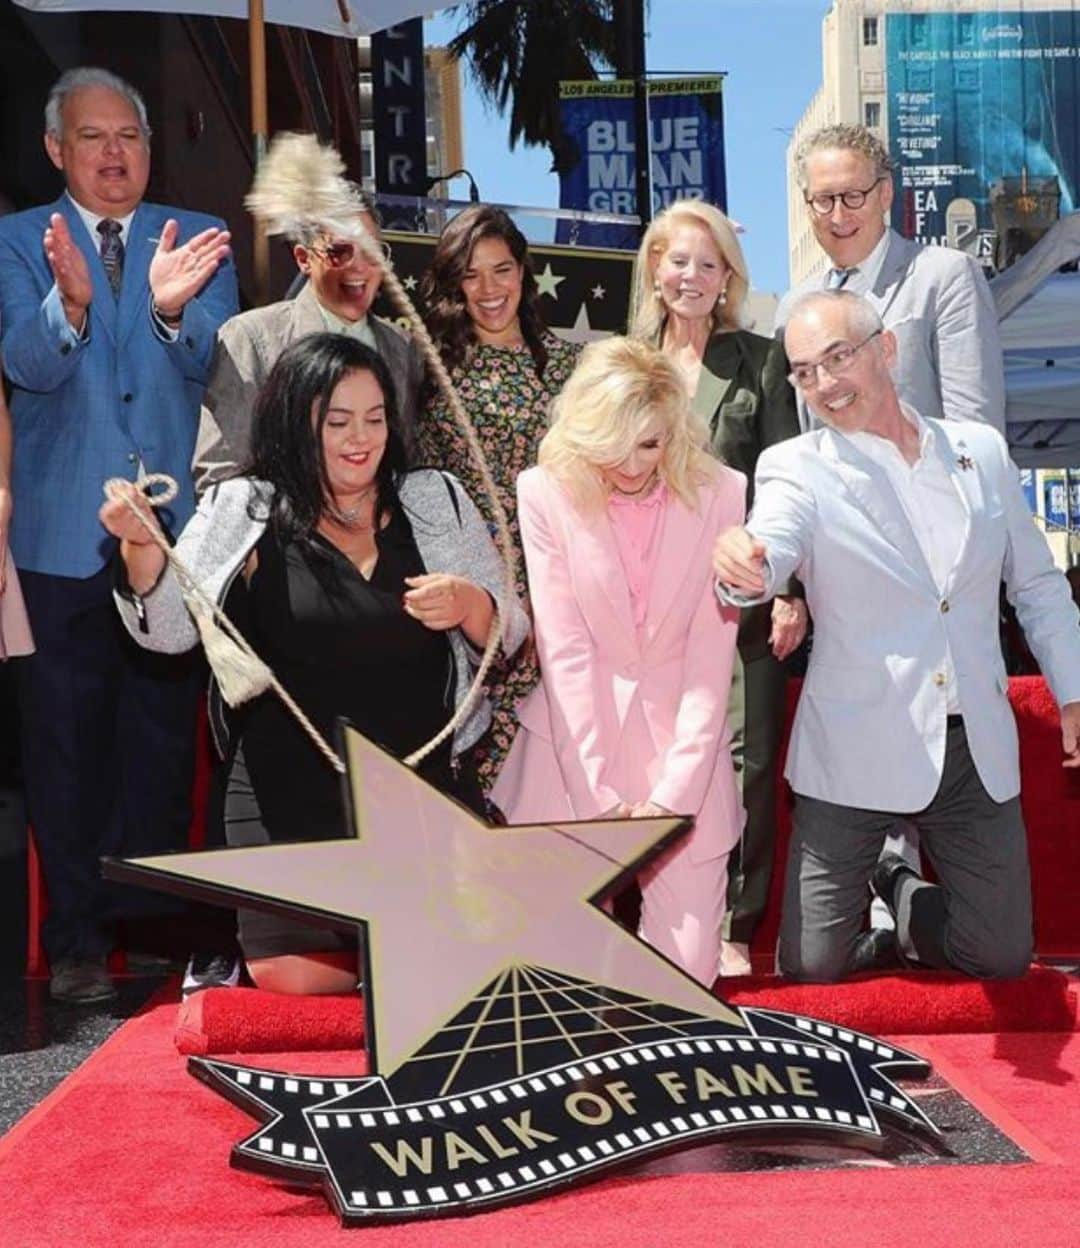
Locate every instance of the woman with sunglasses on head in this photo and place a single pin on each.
(482, 309)
(690, 289)
(367, 588)
(629, 719)
(342, 284)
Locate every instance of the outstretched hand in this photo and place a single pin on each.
(739, 561)
(177, 274)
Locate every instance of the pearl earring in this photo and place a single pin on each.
(722, 297)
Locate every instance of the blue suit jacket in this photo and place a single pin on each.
(84, 410)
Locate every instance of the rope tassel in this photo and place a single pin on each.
(241, 675)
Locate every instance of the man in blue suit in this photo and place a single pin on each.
(109, 308)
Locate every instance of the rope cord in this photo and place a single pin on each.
(194, 594)
(200, 602)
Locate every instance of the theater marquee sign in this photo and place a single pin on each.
(519, 1039)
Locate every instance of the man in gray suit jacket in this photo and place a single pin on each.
(341, 287)
(934, 300)
(901, 529)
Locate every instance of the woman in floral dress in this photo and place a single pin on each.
(482, 311)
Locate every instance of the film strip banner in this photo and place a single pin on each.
(381, 1162)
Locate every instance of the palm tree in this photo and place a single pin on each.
(518, 51)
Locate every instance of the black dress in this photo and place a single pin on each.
(342, 645)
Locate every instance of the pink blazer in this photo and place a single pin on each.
(621, 715)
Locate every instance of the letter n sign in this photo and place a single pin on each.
(397, 65)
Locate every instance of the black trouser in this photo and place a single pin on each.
(108, 735)
(977, 920)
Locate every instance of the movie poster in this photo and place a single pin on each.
(975, 97)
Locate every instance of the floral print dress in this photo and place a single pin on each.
(508, 405)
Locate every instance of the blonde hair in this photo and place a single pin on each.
(647, 311)
(618, 388)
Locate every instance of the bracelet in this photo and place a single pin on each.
(171, 321)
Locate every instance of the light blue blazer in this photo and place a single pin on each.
(87, 409)
(870, 727)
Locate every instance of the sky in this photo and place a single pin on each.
(771, 52)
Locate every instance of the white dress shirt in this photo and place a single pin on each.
(92, 220)
(932, 505)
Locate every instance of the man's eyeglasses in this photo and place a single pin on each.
(824, 203)
(341, 255)
(835, 363)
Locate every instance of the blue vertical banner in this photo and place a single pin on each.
(1061, 499)
(686, 136)
(978, 97)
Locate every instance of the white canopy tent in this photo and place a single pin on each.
(1040, 329)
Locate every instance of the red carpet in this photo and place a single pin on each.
(1050, 796)
(245, 1020)
(132, 1151)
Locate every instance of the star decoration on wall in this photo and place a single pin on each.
(598, 292)
(547, 283)
(409, 282)
(446, 902)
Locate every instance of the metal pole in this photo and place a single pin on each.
(259, 130)
(642, 157)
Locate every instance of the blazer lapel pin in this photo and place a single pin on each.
(965, 462)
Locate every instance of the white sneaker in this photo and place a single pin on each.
(734, 958)
(210, 970)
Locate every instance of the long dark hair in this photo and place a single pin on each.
(286, 445)
(447, 319)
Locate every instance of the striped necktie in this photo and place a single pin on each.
(112, 253)
(837, 278)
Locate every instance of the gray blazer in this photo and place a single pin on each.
(870, 728)
(938, 304)
(248, 346)
(231, 518)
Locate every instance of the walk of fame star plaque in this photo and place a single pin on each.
(519, 1038)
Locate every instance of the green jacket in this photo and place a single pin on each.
(744, 396)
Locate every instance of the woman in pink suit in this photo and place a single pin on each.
(618, 523)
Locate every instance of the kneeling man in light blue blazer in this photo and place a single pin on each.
(901, 529)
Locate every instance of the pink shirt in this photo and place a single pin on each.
(636, 523)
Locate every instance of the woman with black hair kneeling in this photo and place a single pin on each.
(368, 589)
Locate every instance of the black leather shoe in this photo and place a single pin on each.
(81, 981)
(888, 873)
(876, 950)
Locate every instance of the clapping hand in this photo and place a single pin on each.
(177, 274)
(70, 270)
(739, 561)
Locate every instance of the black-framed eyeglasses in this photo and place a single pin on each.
(835, 363)
(824, 203)
(341, 255)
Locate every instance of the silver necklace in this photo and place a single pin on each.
(349, 517)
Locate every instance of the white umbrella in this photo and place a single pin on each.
(330, 17)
